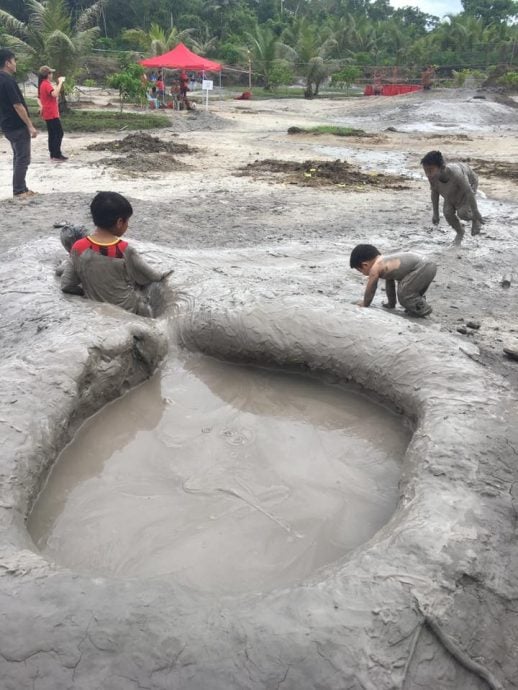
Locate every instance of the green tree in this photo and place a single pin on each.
(346, 77)
(491, 11)
(130, 84)
(51, 36)
(263, 50)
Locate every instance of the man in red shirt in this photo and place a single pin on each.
(48, 95)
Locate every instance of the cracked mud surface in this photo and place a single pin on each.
(429, 602)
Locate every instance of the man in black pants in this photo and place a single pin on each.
(15, 123)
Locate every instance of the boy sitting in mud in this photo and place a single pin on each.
(412, 273)
(457, 184)
(104, 267)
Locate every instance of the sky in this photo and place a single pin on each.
(437, 7)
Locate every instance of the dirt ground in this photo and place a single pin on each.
(272, 237)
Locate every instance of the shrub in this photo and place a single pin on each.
(509, 80)
(130, 84)
(281, 74)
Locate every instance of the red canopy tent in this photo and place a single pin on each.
(182, 58)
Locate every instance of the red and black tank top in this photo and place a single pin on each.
(114, 249)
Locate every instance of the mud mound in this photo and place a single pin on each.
(194, 120)
(143, 143)
(486, 168)
(320, 174)
(137, 162)
(451, 137)
(331, 130)
(441, 111)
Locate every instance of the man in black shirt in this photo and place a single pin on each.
(15, 123)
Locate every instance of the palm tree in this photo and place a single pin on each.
(204, 42)
(50, 36)
(156, 40)
(311, 50)
(263, 51)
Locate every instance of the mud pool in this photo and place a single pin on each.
(228, 477)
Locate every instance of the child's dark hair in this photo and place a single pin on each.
(433, 158)
(361, 253)
(5, 56)
(107, 207)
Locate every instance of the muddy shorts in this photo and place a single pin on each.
(412, 288)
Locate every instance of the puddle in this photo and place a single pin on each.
(229, 478)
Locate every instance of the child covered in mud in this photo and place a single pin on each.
(412, 273)
(457, 183)
(105, 268)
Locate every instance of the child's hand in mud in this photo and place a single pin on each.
(387, 305)
(167, 274)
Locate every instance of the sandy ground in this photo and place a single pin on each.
(275, 238)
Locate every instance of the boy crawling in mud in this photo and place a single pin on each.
(457, 184)
(104, 267)
(412, 274)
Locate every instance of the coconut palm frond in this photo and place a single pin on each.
(58, 43)
(156, 33)
(84, 40)
(137, 38)
(158, 47)
(36, 14)
(17, 45)
(11, 25)
(175, 36)
(90, 16)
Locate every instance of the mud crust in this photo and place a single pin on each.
(428, 602)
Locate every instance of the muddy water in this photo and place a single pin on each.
(229, 478)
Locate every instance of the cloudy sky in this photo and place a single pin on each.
(437, 7)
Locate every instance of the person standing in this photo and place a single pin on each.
(15, 123)
(48, 95)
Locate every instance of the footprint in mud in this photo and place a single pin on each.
(238, 437)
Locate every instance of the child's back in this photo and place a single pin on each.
(104, 267)
(404, 263)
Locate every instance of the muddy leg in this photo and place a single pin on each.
(449, 212)
(465, 213)
(412, 288)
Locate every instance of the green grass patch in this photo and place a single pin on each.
(329, 129)
(77, 120)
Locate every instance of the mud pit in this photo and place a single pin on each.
(314, 173)
(226, 478)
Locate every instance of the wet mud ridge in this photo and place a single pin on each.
(143, 154)
(311, 173)
(487, 168)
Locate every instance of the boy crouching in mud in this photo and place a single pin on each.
(412, 273)
(104, 267)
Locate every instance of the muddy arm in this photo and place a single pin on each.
(70, 281)
(140, 271)
(435, 206)
(390, 289)
(370, 290)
